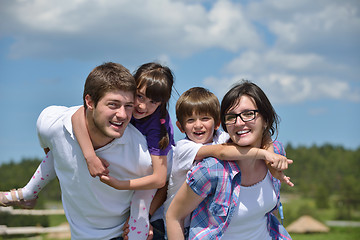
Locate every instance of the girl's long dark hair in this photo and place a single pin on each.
(158, 80)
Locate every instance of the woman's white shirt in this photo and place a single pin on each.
(249, 220)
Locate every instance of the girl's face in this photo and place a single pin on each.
(248, 133)
(144, 106)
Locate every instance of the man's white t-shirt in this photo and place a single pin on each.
(93, 209)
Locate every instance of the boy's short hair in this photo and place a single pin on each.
(197, 100)
(106, 78)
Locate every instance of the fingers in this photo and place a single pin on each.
(281, 163)
(105, 178)
(288, 182)
(125, 234)
(151, 233)
(105, 163)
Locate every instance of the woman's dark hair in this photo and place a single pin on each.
(158, 80)
(263, 104)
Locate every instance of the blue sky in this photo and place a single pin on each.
(304, 54)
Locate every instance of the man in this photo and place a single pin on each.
(93, 209)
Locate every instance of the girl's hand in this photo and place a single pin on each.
(97, 166)
(115, 183)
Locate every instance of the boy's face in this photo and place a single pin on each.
(199, 128)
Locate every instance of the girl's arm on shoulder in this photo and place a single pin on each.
(154, 181)
(96, 166)
(184, 202)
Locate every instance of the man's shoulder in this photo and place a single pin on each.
(53, 116)
(57, 112)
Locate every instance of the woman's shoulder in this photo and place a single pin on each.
(279, 148)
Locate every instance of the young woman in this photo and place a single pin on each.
(233, 199)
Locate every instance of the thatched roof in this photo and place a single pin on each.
(307, 224)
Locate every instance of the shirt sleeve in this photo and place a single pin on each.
(198, 179)
(184, 154)
(279, 148)
(153, 136)
(46, 121)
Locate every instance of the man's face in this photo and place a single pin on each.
(108, 120)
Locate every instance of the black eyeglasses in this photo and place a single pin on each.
(245, 116)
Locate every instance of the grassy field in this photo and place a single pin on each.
(336, 233)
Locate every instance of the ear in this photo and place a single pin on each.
(89, 102)
(179, 127)
(217, 126)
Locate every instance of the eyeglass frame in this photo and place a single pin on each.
(239, 115)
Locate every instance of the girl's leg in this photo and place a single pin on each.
(139, 214)
(26, 197)
(42, 176)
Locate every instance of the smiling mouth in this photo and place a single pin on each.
(199, 133)
(242, 132)
(118, 124)
(138, 112)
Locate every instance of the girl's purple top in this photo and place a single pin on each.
(150, 127)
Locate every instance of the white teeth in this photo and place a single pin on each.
(117, 124)
(242, 132)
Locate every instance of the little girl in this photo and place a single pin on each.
(151, 118)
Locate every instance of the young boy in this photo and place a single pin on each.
(198, 116)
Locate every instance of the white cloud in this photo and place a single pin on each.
(67, 29)
(312, 46)
(287, 78)
(314, 53)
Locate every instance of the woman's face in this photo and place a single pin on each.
(248, 133)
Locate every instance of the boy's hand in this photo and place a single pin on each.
(97, 166)
(277, 161)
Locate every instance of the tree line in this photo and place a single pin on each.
(327, 174)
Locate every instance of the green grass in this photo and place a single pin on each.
(56, 220)
(336, 233)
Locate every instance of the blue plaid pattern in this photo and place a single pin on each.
(219, 183)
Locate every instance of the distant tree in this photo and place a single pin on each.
(322, 197)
